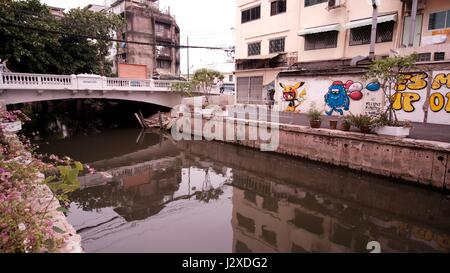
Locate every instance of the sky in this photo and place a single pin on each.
(205, 22)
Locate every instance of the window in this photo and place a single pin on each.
(251, 14)
(439, 56)
(164, 64)
(361, 35)
(277, 7)
(423, 57)
(276, 45)
(439, 20)
(230, 78)
(314, 2)
(321, 40)
(254, 49)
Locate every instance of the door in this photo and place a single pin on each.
(418, 30)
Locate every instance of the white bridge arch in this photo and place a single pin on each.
(22, 87)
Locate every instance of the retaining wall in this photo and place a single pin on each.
(417, 161)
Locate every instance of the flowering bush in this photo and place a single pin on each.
(12, 116)
(25, 227)
(22, 228)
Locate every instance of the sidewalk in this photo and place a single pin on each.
(424, 131)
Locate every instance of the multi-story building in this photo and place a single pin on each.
(275, 35)
(156, 33)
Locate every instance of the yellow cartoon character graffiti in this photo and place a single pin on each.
(291, 95)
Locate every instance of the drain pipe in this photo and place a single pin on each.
(373, 35)
(412, 27)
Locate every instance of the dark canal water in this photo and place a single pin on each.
(152, 194)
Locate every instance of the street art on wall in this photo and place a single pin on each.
(339, 95)
(413, 86)
(292, 96)
(337, 98)
(419, 96)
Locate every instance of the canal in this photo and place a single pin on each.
(152, 194)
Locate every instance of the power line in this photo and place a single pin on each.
(114, 40)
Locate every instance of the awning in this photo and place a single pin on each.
(368, 21)
(261, 57)
(313, 30)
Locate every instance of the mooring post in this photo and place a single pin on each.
(160, 120)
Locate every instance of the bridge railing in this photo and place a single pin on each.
(9, 80)
(32, 81)
(20, 81)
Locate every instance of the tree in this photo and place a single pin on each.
(89, 55)
(35, 41)
(202, 81)
(388, 72)
(27, 50)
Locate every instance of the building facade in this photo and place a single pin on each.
(307, 35)
(156, 33)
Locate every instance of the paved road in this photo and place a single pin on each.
(425, 131)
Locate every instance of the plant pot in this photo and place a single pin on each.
(315, 123)
(11, 127)
(365, 129)
(333, 124)
(393, 131)
(345, 127)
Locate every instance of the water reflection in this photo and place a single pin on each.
(269, 217)
(162, 196)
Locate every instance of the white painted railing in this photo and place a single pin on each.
(10, 80)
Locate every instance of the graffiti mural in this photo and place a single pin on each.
(413, 86)
(337, 98)
(292, 96)
(417, 96)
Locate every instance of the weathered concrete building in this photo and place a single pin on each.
(156, 33)
(309, 35)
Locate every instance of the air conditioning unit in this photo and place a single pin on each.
(332, 4)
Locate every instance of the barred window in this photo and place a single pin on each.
(164, 64)
(314, 2)
(424, 57)
(321, 40)
(254, 49)
(276, 45)
(361, 35)
(251, 14)
(277, 7)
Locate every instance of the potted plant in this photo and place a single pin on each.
(346, 123)
(315, 119)
(383, 126)
(363, 122)
(11, 121)
(388, 72)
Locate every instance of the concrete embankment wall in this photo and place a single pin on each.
(417, 161)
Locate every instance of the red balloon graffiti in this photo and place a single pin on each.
(354, 90)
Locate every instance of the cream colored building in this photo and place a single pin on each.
(272, 36)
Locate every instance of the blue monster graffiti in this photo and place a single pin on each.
(337, 99)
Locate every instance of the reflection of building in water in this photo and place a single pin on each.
(136, 192)
(271, 217)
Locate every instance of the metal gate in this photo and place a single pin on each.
(250, 90)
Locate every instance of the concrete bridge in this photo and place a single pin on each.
(22, 87)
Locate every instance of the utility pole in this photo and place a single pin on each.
(412, 27)
(373, 35)
(187, 43)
